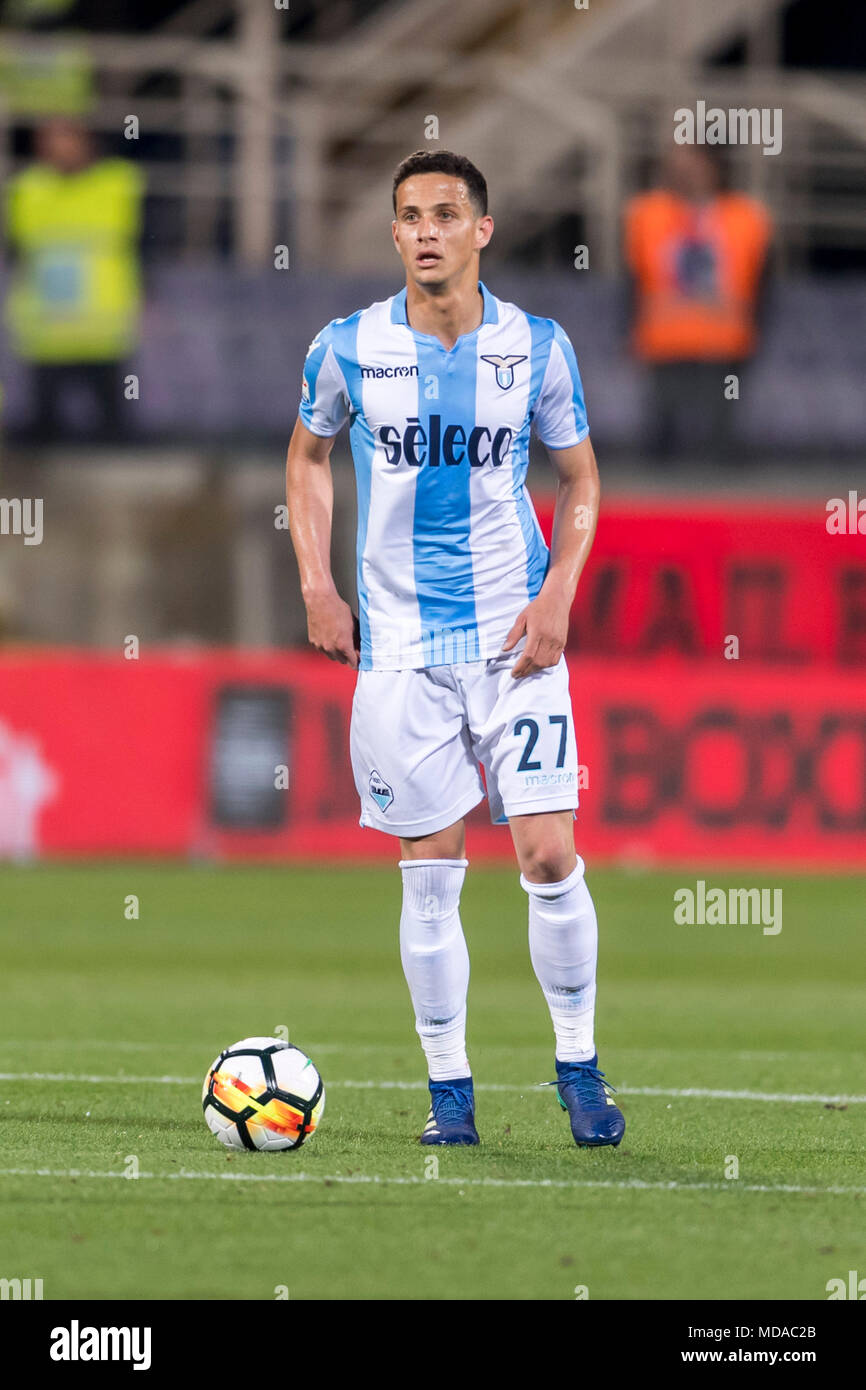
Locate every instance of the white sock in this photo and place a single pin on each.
(563, 946)
(436, 961)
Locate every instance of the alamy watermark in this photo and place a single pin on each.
(701, 906)
(739, 125)
(846, 516)
(22, 516)
(22, 1289)
(854, 1287)
(77, 1343)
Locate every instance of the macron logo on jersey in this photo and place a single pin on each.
(380, 372)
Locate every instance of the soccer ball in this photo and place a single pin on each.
(263, 1094)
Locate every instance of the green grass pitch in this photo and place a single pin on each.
(109, 1024)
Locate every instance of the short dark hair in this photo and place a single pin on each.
(444, 162)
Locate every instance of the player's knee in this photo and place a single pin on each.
(449, 843)
(547, 863)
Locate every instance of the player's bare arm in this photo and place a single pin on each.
(331, 624)
(545, 619)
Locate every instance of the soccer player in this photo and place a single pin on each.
(463, 615)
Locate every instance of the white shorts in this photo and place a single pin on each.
(419, 739)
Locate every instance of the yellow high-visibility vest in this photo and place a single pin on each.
(75, 294)
(41, 75)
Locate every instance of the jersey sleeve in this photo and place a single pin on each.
(560, 415)
(325, 403)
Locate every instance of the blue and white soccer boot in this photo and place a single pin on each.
(595, 1117)
(452, 1113)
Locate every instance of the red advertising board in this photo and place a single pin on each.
(681, 577)
(179, 753)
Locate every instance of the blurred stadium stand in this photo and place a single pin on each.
(262, 127)
(266, 129)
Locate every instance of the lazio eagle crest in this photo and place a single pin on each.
(504, 369)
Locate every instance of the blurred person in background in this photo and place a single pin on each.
(73, 225)
(698, 258)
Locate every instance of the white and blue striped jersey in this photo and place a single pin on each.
(449, 546)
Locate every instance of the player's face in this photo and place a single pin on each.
(437, 231)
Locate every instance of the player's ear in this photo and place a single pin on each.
(394, 235)
(483, 232)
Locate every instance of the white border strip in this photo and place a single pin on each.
(378, 1180)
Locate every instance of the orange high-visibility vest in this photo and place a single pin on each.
(697, 269)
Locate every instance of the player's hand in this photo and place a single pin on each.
(334, 629)
(544, 622)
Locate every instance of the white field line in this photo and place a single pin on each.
(670, 1093)
(378, 1180)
